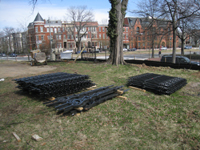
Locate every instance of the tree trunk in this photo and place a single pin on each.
(182, 46)
(174, 41)
(152, 49)
(79, 45)
(118, 48)
(116, 43)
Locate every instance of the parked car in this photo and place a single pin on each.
(179, 60)
(97, 51)
(163, 48)
(132, 49)
(124, 50)
(2, 55)
(69, 51)
(84, 51)
(188, 47)
(13, 55)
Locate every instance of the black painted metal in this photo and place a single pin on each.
(160, 84)
(86, 100)
(55, 84)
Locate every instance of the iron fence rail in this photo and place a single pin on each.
(86, 100)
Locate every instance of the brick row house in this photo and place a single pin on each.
(63, 35)
(142, 31)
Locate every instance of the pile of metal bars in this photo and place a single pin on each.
(85, 100)
(160, 84)
(54, 84)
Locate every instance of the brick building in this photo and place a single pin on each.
(61, 36)
(141, 31)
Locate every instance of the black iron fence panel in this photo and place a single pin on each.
(54, 84)
(160, 84)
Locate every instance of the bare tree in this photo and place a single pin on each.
(3, 43)
(176, 11)
(173, 11)
(79, 18)
(152, 22)
(8, 33)
(115, 30)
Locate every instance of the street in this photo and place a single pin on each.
(126, 56)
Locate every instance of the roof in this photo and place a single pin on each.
(38, 18)
(145, 22)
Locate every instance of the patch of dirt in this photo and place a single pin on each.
(197, 74)
(14, 69)
(192, 89)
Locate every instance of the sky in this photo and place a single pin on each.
(19, 13)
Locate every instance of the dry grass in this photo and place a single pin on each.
(144, 121)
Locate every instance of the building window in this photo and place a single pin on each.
(63, 29)
(42, 37)
(37, 38)
(64, 36)
(36, 29)
(126, 35)
(72, 37)
(138, 30)
(143, 38)
(59, 37)
(93, 29)
(103, 29)
(59, 45)
(94, 36)
(143, 44)
(139, 38)
(138, 44)
(47, 29)
(88, 35)
(68, 37)
(123, 36)
(126, 29)
(41, 29)
(100, 36)
(58, 29)
(99, 29)
(55, 30)
(51, 29)
(103, 36)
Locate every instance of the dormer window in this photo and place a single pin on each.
(137, 30)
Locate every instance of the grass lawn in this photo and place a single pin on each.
(143, 121)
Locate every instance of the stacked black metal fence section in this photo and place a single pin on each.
(160, 84)
(54, 84)
(85, 100)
